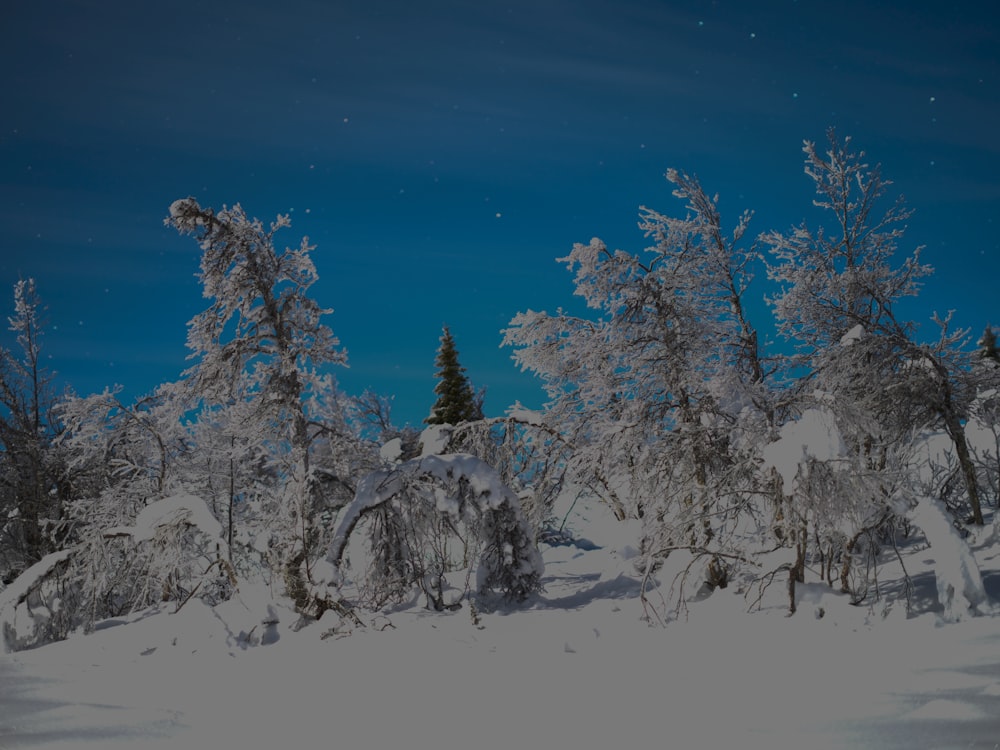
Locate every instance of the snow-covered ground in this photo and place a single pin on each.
(579, 667)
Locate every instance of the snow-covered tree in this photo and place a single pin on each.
(127, 456)
(262, 328)
(839, 288)
(988, 345)
(136, 448)
(529, 457)
(858, 363)
(33, 484)
(669, 408)
(456, 400)
(663, 396)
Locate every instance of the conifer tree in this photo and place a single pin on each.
(457, 401)
(988, 345)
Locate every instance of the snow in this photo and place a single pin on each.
(435, 439)
(959, 583)
(577, 666)
(19, 588)
(178, 206)
(813, 436)
(392, 451)
(853, 335)
(12, 597)
(520, 413)
(170, 511)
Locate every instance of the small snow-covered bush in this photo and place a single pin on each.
(434, 516)
(172, 552)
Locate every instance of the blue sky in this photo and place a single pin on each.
(441, 155)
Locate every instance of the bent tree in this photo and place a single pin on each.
(434, 515)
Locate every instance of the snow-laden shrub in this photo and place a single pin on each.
(429, 518)
(172, 551)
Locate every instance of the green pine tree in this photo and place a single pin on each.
(457, 401)
(988, 345)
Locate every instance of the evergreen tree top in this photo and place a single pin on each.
(988, 345)
(456, 399)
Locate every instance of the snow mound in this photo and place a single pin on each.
(946, 710)
(959, 583)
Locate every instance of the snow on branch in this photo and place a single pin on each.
(17, 592)
(171, 511)
(19, 589)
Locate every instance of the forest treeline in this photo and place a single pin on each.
(750, 460)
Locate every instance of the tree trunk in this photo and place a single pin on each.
(957, 432)
(955, 429)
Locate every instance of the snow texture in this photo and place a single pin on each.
(530, 417)
(392, 451)
(178, 206)
(579, 669)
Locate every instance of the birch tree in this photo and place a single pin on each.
(840, 286)
(664, 392)
(263, 324)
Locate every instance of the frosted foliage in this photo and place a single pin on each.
(839, 284)
(260, 302)
(662, 393)
(838, 276)
(261, 350)
(25, 322)
(673, 405)
(959, 583)
(641, 376)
